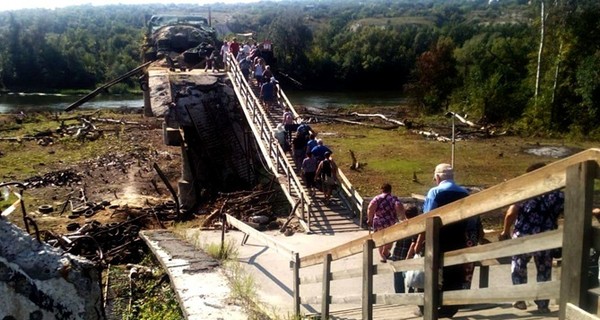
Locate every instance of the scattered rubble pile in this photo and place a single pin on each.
(112, 242)
(254, 207)
(86, 129)
(57, 178)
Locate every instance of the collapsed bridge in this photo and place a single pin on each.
(227, 140)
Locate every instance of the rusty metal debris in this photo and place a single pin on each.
(254, 207)
(112, 242)
(58, 178)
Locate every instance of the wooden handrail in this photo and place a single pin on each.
(268, 241)
(542, 241)
(529, 185)
(272, 151)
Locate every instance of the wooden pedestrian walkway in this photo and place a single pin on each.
(474, 312)
(343, 212)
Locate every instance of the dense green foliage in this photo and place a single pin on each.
(470, 56)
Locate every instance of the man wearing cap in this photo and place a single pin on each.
(452, 236)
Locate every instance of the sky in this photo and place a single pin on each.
(51, 4)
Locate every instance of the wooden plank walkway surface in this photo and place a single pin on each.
(326, 217)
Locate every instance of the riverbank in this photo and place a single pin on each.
(67, 160)
(398, 156)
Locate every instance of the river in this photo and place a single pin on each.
(29, 102)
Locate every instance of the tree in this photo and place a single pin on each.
(292, 39)
(492, 70)
(435, 76)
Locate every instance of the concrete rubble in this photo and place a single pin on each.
(38, 281)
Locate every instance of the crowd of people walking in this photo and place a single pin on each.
(313, 160)
(311, 157)
(529, 217)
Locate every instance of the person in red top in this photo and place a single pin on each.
(234, 47)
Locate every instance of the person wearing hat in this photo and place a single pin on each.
(327, 173)
(452, 236)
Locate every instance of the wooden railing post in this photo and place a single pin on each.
(579, 192)
(484, 276)
(326, 286)
(296, 266)
(367, 291)
(432, 267)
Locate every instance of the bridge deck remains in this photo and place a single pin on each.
(339, 215)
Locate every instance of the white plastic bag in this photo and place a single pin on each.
(415, 278)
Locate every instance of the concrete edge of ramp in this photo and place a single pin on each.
(198, 280)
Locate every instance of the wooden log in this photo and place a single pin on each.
(290, 217)
(355, 165)
(257, 235)
(364, 124)
(209, 218)
(378, 115)
(121, 121)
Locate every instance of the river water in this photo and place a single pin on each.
(28, 102)
(15, 102)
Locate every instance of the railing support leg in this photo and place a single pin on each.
(367, 292)
(484, 276)
(296, 266)
(326, 286)
(579, 192)
(432, 267)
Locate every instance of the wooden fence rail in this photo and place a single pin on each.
(575, 174)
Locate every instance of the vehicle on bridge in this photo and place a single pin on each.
(186, 40)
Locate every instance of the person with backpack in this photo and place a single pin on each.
(327, 173)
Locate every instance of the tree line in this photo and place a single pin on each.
(532, 65)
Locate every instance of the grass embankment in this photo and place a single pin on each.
(396, 156)
(24, 158)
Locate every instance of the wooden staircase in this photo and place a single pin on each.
(343, 212)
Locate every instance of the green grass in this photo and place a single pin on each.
(23, 159)
(394, 155)
(148, 298)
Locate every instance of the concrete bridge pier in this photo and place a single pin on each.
(187, 191)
